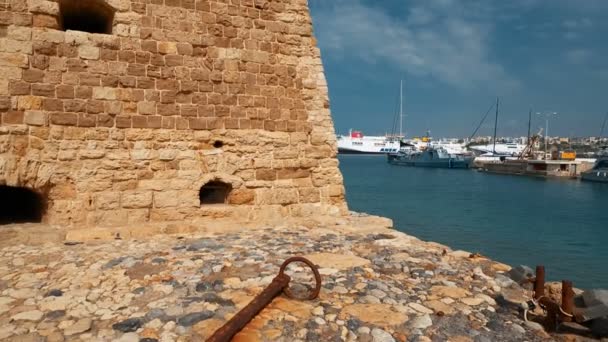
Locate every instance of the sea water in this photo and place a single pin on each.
(517, 220)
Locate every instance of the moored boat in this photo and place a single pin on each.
(430, 157)
(599, 172)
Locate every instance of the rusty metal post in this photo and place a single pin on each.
(278, 285)
(567, 301)
(539, 282)
(243, 317)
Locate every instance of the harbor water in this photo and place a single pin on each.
(562, 224)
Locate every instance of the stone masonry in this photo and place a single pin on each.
(127, 127)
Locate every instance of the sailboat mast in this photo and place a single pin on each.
(603, 125)
(529, 124)
(495, 126)
(401, 110)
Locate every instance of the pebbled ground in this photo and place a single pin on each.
(378, 285)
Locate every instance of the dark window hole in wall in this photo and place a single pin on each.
(20, 205)
(93, 16)
(214, 192)
(218, 144)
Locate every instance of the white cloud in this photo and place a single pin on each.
(578, 56)
(446, 40)
(573, 24)
(603, 74)
(570, 24)
(420, 16)
(574, 28)
(584, 7)
(571, 35)
(522, 27)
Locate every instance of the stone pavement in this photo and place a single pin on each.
(378, 285)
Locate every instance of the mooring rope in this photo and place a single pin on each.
(537, 303)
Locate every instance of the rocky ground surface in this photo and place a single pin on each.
(378, 285)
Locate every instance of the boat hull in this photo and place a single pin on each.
(360, 144)
(442, 164)
(349, 151)
(600, 176)
(500, 149)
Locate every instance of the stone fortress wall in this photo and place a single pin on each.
(170, 110)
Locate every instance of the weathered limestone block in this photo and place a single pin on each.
(143, 154)
(166, 199)
(43, 7)
(120, 5)
(136, 199)
(19, 32)
(242, 196)
(309, 195)
(107, 200)
(105, 93)
(127, 17)
(89, 52)
(91, 154)
(138, 215)
(127, 127)
(108, 218)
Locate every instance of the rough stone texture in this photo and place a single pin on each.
(207, 277)
(124, 128)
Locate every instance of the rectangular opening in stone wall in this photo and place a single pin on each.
(93, 16)
(20, 205)
(214, 192)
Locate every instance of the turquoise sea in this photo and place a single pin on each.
(562, 224)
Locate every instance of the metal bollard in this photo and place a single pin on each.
(556, 313)
(539, 282)
(278, 285)
(567, 301)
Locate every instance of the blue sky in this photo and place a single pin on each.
(456, 56)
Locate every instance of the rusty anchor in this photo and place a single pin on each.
(280, 284)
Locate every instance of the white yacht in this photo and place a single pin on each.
(357, 143)
(497, 150)
(508, 149)
(451, 147)
(421, 144)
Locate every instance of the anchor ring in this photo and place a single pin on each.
(315, 293)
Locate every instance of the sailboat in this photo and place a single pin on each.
(599, 172)
(603, 150)
(431, 155)
(496, 151)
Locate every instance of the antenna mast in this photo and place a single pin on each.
(401, 110)
(495, 126)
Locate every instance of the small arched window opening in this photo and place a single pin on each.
(20, 205)
(93, 16)
(214, 192)
(218, 144)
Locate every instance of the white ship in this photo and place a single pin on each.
(356, 143)
(509, 149)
